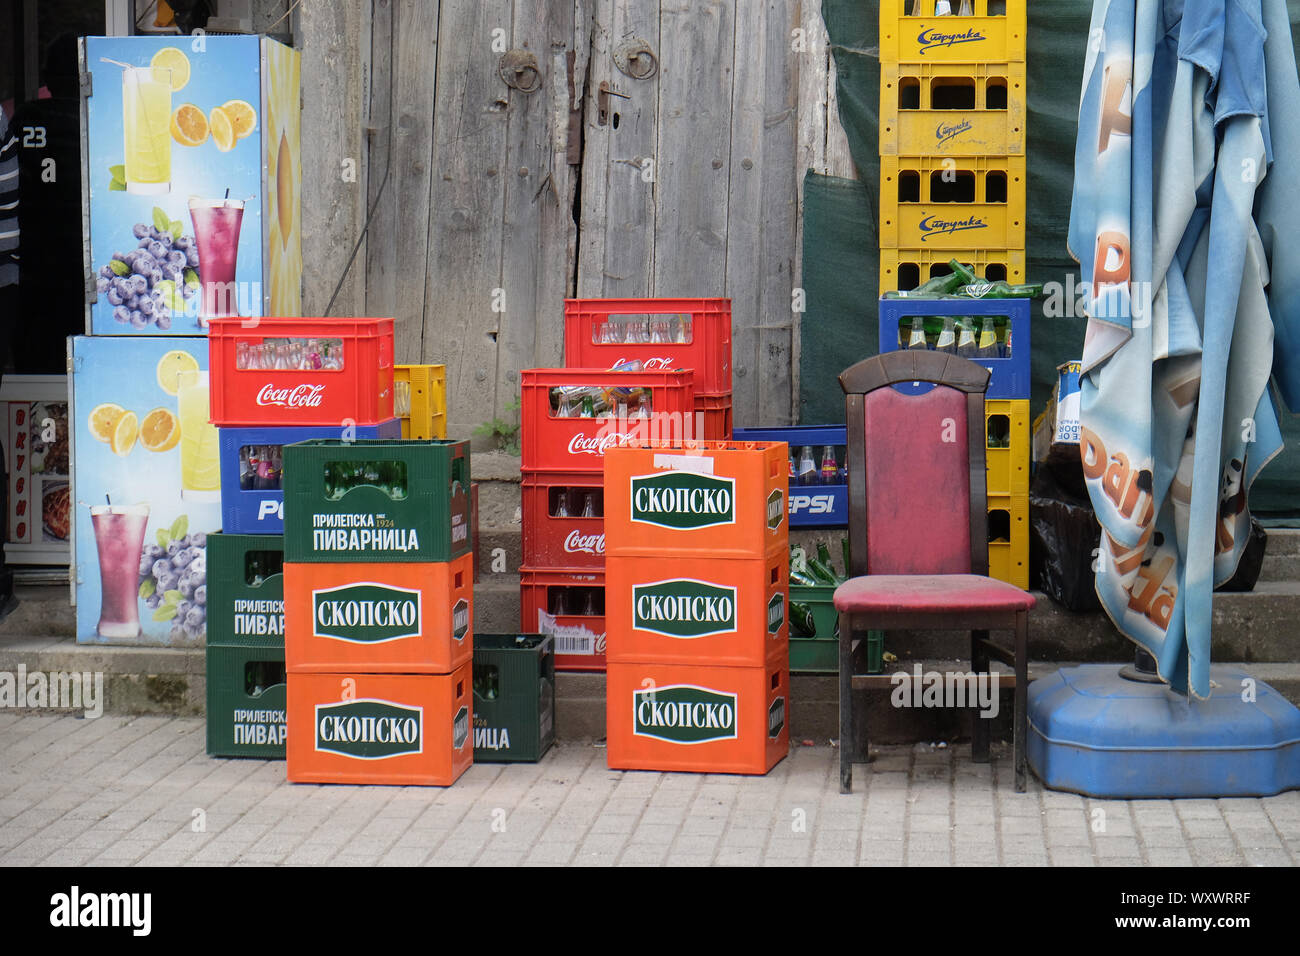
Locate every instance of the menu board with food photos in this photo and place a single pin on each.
(37, 465)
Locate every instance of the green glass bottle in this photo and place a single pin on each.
(933, 288)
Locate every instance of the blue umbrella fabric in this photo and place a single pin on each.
(1184, 222)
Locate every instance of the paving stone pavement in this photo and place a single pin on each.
(124, 791)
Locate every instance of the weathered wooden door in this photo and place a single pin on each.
(688, 175)
(522, 151)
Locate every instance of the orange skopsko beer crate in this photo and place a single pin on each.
(389, 618)
(697, 610)
(696, 498)
(361, 728)
(704, 719)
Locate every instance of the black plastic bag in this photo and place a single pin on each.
(1063, 537)
(1252, 559)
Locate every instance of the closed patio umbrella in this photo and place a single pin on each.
(1184, 219)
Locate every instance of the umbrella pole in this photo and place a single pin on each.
(1143, 668)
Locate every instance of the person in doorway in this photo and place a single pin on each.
(9, 236)
(52, 302)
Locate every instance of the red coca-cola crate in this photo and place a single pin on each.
(686, 333)
(336, 371)
(569, 445)
(579, 635)
(555, 533)
(713, 417)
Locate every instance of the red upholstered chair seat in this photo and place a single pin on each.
(921, 593)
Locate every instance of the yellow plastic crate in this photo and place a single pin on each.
(905, 269)
(942, 202)
(420, 400)
(1008, 517)
(952, 109)
(996, 32)
(1006, 451)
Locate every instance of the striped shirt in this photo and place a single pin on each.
(8, 204)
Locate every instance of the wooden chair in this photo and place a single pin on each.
(918, 536)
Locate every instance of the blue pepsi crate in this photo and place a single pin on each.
(810, 506)
(1010, 375)
(262, 511)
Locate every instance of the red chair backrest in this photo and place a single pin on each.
(918, 482)
(916, 465)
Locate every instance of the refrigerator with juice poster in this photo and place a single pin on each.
(190, 181)
(146, 489)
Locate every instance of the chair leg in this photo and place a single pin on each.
(846, 705)
(979, 734)
(1021, 715)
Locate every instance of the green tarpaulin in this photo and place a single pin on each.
(842, 246)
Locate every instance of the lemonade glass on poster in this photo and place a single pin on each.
(200, 458)
(146, 114)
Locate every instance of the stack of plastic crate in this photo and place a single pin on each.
(952, 139)
(274, 382)
(570, 418)
(378, 611)
(698, 575)
(953, 185)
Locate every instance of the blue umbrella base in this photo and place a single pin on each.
(1092, 732)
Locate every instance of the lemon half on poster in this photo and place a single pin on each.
(171, 58)
(125, 432)
(103, 420)
(160, 430)
(170, 367)
(242, 116)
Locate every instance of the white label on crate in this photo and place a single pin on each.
(696, 463)
(570, 638)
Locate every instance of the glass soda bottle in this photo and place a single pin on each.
(966, 345)
(830, 469)
(988, 343)
(254, 466)
(947, 337)
(246, 473)
(807, 467)
(588, 506)
(917, 339)
(561, 504)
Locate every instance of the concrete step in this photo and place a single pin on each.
(496, 604)
(173, 681)
(1281, 555)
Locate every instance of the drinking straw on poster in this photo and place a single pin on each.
(125, 66)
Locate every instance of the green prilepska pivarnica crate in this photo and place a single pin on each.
(820, 652)
(376, 500)
(246, 700)
(245, 596)
(514, 697)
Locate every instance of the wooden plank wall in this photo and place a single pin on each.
(690, 188)
(481, 222)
